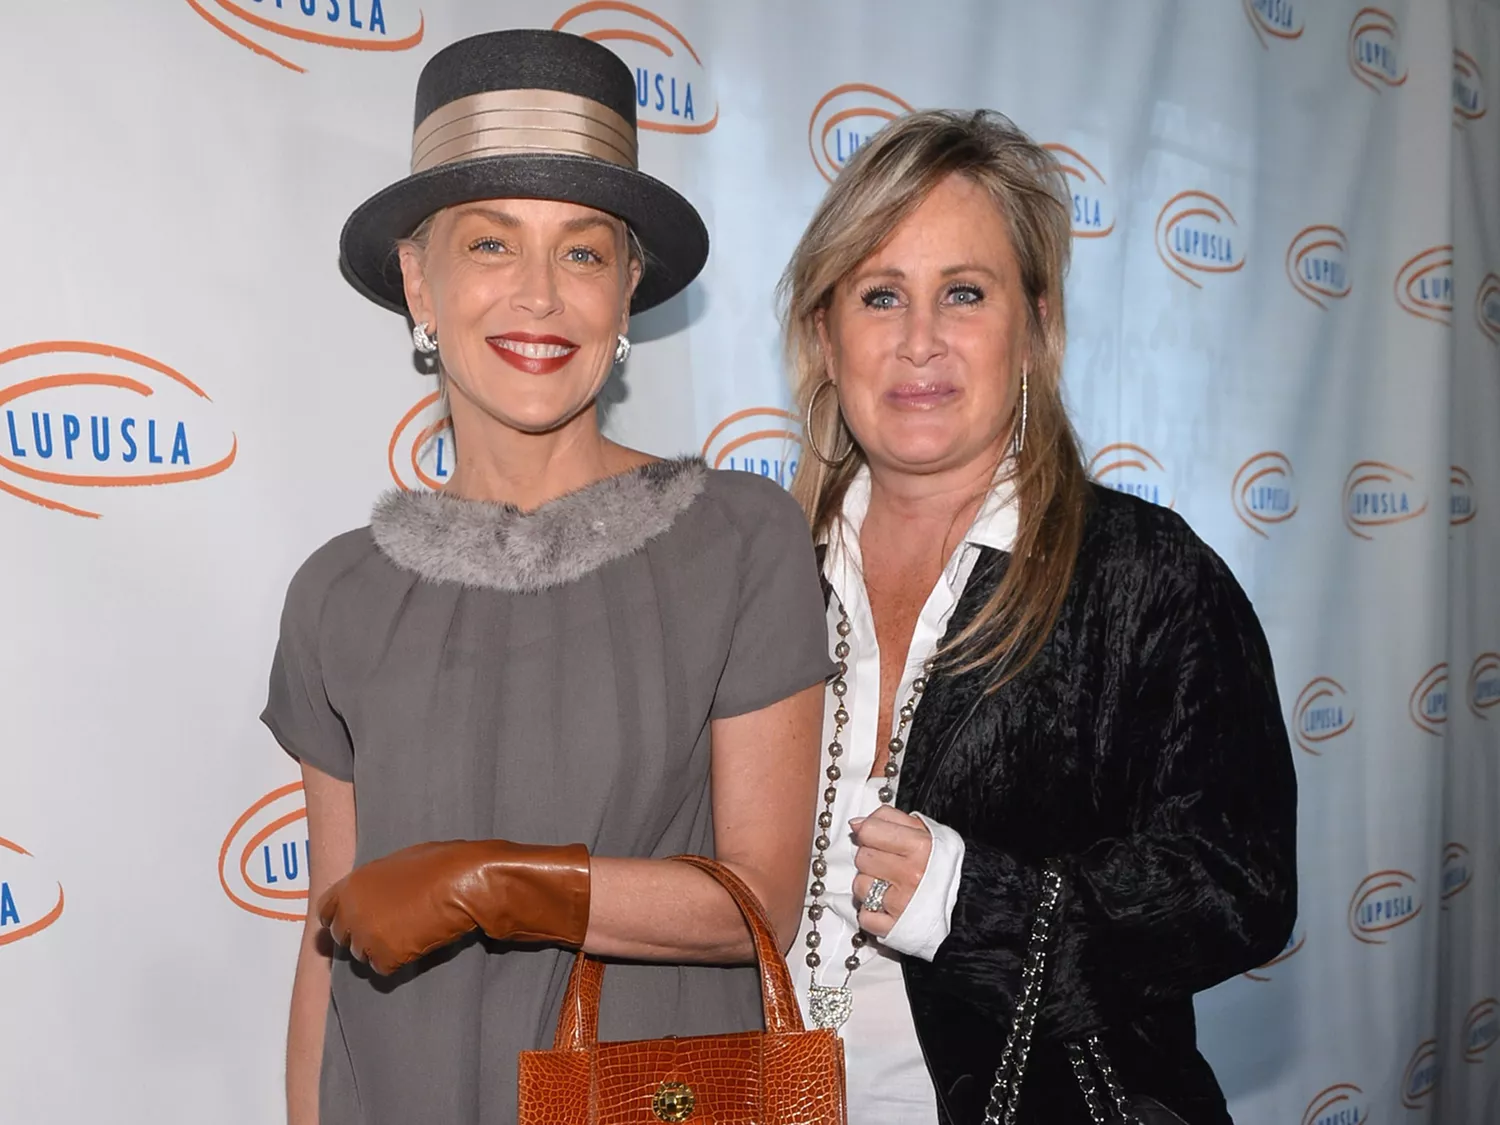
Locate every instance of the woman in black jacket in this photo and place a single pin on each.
(1036, 674)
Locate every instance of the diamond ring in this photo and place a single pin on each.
(875, 900)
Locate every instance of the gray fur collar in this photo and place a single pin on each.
(497, 546)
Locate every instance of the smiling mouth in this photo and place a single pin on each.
(922, 394)
(535, 355)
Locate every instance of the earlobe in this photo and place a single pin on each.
(414, 282)
(1041, 310)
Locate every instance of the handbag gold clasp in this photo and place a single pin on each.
(673, 1102)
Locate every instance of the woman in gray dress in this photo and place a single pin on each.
(572, 662)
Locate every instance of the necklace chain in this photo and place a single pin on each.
(839, 687)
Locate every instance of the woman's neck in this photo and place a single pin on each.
(500, 464)
(912, 515)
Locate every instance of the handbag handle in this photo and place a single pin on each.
(1005, 1095)
(578, 1025)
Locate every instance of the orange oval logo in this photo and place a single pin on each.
(80, 415)
(263, 863)
(1484, 684)
(1487, 307)
(1424, 285)
(1382, 902)
(1343, 1104)
(1456, 872)
(1375, 49)
(1481, 1029)
(1263, 492)
(1197, 234)
(1468, 88)
(1276, 19)
(349, 25)
(1093, 198)
(420, 454)
(844, 119)
(30, 901)
(1428, 705)
(764, 440)
(673, 93)
(1294, 946)
(1461, 505)
(1377, 494)
(1421, 1076)
(1317, 264)
(1323, 711)
(1131, 468)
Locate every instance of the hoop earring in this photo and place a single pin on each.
(807, 430)
(423, 341)
(622, 349)
(1018, 440)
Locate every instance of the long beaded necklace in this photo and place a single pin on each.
(830, 1005)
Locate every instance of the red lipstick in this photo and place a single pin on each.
(531, 353)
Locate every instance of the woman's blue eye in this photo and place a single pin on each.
(488, 245)
(966, 294)
(585, 256)
(878, 298)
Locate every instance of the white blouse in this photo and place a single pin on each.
(887, 1079)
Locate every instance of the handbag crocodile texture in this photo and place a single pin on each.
(785, 1075)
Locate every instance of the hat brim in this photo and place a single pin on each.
(673, 234)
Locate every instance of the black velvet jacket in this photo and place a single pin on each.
(1146, 750)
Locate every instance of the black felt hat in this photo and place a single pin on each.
(525, 114)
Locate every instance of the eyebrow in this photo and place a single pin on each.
(900, 275)
(571, 226)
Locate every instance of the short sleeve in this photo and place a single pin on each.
(779, 644)
(298, 711)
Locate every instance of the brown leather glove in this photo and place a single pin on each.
(393, 910)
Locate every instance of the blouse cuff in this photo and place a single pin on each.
(924, 924)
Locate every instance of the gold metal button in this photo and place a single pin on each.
(673, 1102)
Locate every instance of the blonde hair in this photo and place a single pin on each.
(884, 182)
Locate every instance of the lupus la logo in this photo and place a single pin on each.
(1131, 468)
(1294, 946)
(1341, 1104)
(1428, 705)
(1468, 89)
(1317, 264)
(1457, 874)
(1377, 495)
(420, 454)
(350, 25)
(1196, 232)
(1382, 902)
(1484, 684)
(844, 119)
(1093, 198)
(1481, 1029)
(1487, 307)
(30, 901)
(1263, 492)
(1421, 1076)
(763, 440)
(1279, 19)
(1323, 711)
(1424, 285)
(672, 90)
(1461, 506)
(1375, 49)
(263, 863)
(82, 416)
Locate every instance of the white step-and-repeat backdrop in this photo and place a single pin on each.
(1286, 324)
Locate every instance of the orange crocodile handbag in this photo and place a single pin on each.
(785, 1075)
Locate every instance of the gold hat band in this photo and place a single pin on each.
(521, 121)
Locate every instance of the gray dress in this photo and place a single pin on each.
(546, 677)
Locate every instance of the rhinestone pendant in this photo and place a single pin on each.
(829, 1006)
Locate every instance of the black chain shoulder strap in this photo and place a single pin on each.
(1085, 1058)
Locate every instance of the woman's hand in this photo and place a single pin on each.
(891, 846)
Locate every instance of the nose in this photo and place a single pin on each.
(921, 339)
(536, 290)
